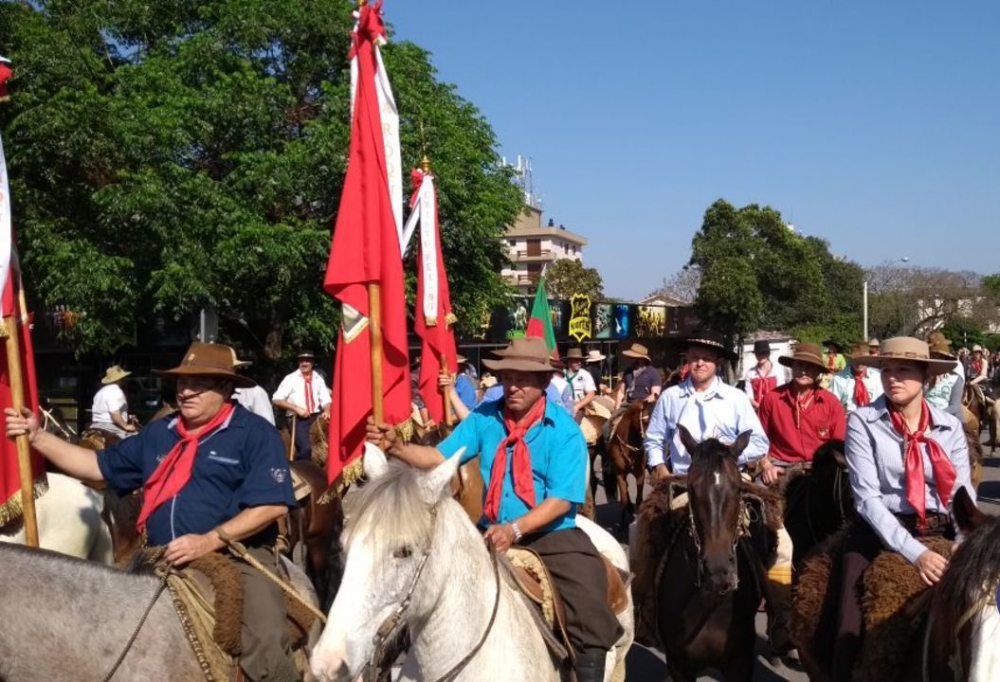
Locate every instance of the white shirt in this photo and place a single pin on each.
(582, 383)
(255, 399)
(720, 411)
(292, 389)
(842, 386)
(110, 399)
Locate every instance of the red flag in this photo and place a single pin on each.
(433, 318)
(12, 305)
(540, 323)
(5, 75)
(366, 249)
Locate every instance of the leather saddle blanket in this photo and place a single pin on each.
(894, 600)
(208, 597)
(300, 487)
(527, 572)
(595, 416)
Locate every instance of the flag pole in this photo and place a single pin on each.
(375, 329)
(10, 332)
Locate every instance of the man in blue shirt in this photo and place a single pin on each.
(533, 460)
(214, 471)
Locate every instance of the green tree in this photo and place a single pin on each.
(170, 156)
(567, 276)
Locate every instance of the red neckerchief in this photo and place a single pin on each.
(310, 406)
(803, 401)
(524, 482)
(762, 385)
(860, 392)
(944, 471)
(173, 473)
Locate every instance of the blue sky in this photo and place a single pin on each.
(874, 125)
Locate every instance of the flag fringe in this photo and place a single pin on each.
(12, 512)
(355, 471)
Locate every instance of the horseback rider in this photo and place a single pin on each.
(906, 459)
(214, 470)
(641, 381)
(708, 408)
(581, 381)
(979, 366)
(110, 408)
(944, 391)
(304, 395)
(857, 385)
(254, 398)
(763, 377)
(533, 460)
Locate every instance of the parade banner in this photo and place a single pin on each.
(651, 321)
(579, 320)
(604, 321)
(434, 318)
(365, 269)
(622, 321)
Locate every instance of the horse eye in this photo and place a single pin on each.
(402, 553)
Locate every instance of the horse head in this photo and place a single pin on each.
(715, 507)
(390, 571)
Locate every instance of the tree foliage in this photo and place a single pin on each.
(568, 276)
(683, 285)
(169, 156)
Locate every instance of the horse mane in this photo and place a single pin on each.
(973, 574)
(391, 511)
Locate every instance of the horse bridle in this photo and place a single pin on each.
(693, 530)
(391, 624)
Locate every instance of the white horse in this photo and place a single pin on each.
(406, 517)
(69, 521)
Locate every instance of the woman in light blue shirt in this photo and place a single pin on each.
(906, 459)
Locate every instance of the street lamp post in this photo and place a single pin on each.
(864, 298)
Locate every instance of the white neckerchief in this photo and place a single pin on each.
(699, 422)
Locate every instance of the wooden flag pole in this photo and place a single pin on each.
(375, 329)
(449, 416)
(23, 448)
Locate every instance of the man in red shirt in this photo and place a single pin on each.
(799, 416)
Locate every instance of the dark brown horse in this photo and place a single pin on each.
(625, 455)
(709, 580)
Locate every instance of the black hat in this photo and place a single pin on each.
(305, 354)
(713, 340)
(761, 347)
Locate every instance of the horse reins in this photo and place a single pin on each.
(391, 624)
(142, 621)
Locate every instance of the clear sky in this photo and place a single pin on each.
(872, 124)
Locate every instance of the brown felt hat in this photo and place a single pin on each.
(860, 349)
(529, 354)
(209, 360)
(811, 353)
(907, 348)
(573, 354)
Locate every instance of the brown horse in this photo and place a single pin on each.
(710, 577)
(982, 403)
(624, 452)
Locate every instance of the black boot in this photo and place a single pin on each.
(590, 666)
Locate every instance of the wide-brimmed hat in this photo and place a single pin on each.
(529, 354)
(210, 360)
(873, 343)
(461, 359)
(595, 356)
(305, 354)
(711, 339)
(837, 345)
(573, 354)
(761, 347)
(908, 348)
(977, 348)
(240, 363)
(810, 353)
(860, 349)
(114, 373)
(938, 339)
(942, 349)
(636, 350)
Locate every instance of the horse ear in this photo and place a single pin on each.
(966, 513)
(742, 441)
(437, 482)
(375, 462)
(687, 440)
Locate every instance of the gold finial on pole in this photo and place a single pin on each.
(425, 164)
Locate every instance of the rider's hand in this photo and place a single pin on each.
(444, 380)
(381, 435)
(187, 548)
(931, 566)
(302, 413)
(661, 471)
(770, 473)
(25, 424)
(500, 536)
(130, 427)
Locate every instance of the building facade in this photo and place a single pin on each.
(533, 244)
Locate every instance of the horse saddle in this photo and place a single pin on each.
(595, 415)
(530, 575)
(300, 487)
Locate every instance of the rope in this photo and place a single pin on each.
(142, 621)
(239, 550)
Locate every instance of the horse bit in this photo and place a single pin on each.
(391, 624)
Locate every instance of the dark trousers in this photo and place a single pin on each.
(266, 653)
(578, 572)
(861, 547)
(303, 447)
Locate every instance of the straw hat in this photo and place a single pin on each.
(240, 363)
(595, 356)
(907, 348)
(713, 340)
(529, 354)
(977, 348)
(461, 359)
(938, 339)
(810, 353)
(943, 350)
(637, 350)
(573, 354)
(873, 343)
(114, 373)
(210, 360)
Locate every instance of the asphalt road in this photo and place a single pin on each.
(647, 665)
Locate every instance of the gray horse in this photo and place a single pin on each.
(67, 619)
